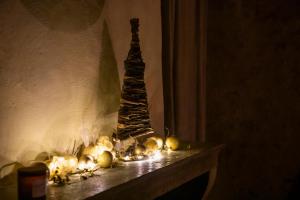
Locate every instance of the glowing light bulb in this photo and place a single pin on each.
(70, 163)
(140, 157)
(86, 163)
(155, 156)
(126, 158)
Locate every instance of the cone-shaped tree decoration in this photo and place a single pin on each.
(133, 119)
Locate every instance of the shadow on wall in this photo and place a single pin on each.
(107, 97)
(108, 90)
(65, 15)
(109, 82)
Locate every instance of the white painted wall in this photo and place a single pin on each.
(49, 70)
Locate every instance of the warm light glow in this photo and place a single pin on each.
(99, 149)
(97, 153)
(62, 165)
(90, 151)
(151, 145)
(70, 163)
(88, 165)
(172, 143)
(105, 159)
(127, 158)
(57, 163)
(103, 144)
(155, 156)
(159, 141)
(140, 157)
(103, 154)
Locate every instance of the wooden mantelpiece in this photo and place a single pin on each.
(143, 179)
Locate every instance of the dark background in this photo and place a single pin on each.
(253, 97)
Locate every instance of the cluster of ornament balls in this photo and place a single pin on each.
(144, 150)
(150, 145)
(155, 143)
(105, 159)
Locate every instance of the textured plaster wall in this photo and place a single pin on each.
(61, 68)
(253, 97)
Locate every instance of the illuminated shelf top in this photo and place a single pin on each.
(152, 177)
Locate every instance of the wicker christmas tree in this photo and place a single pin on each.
(133, 119)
